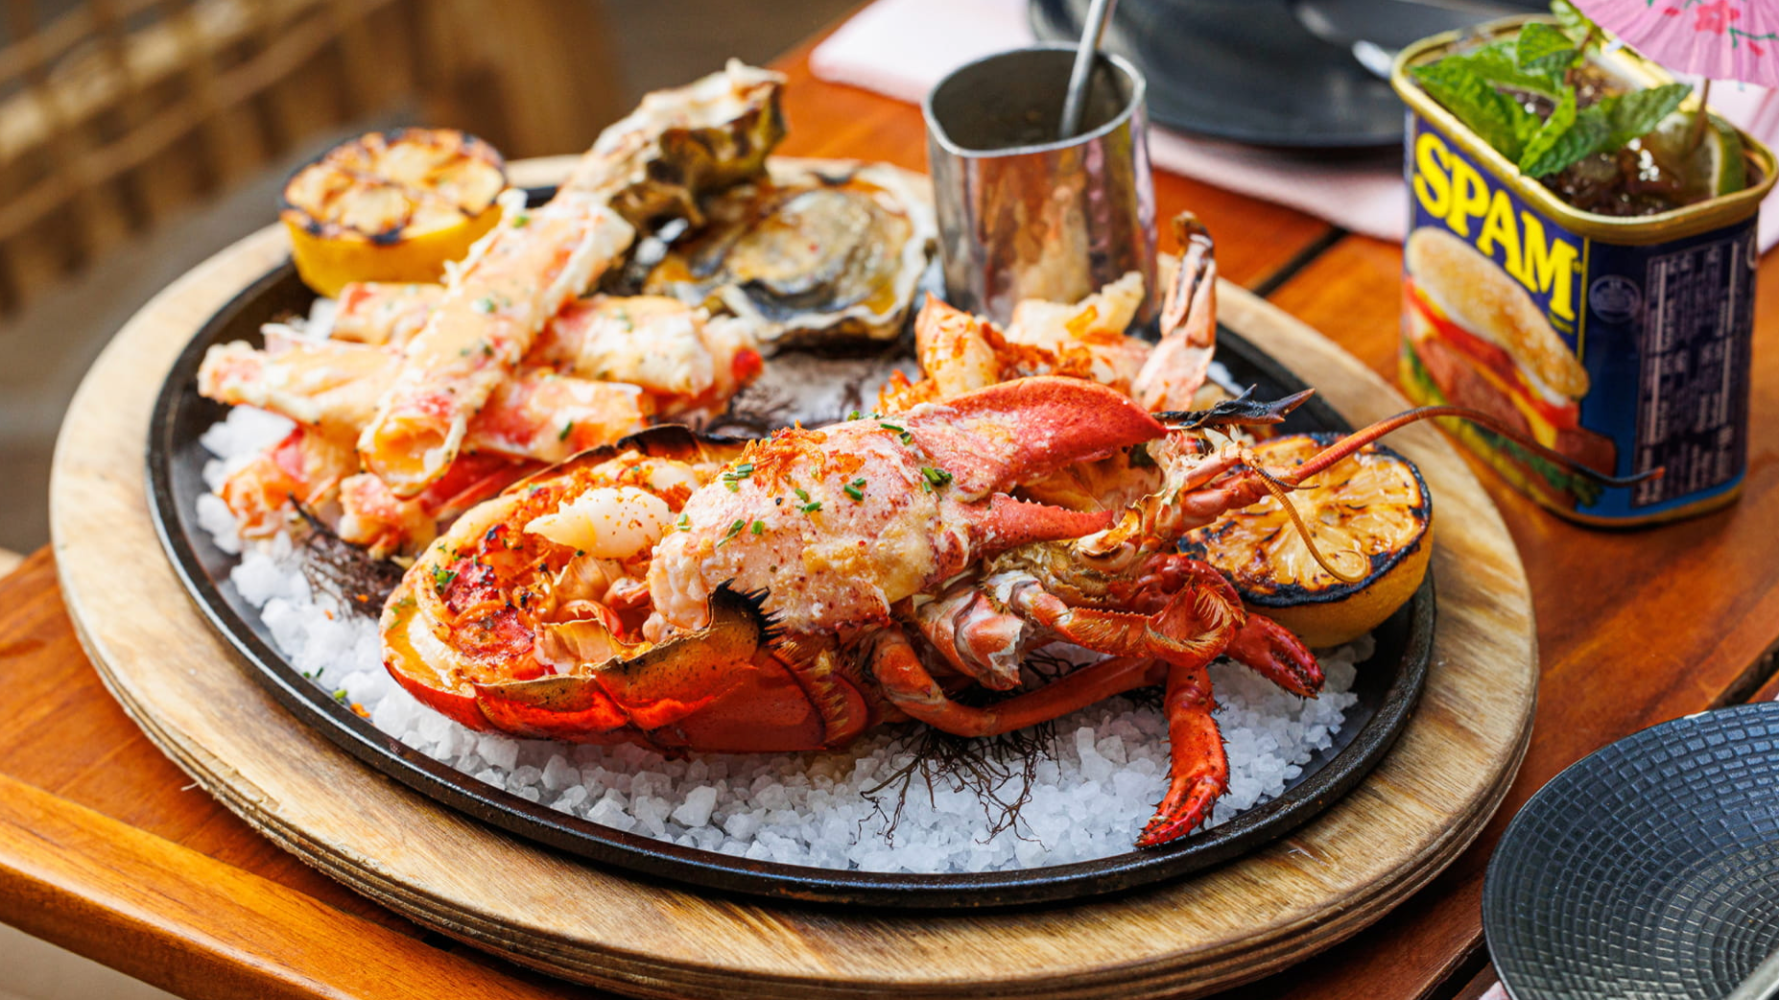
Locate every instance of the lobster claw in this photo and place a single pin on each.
(1015, 432)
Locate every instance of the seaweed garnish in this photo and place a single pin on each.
(989, 767)
(331, 564)
(999, 770)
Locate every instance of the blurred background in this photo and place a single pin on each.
(138, 137)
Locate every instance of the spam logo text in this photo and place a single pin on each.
(1473, 206)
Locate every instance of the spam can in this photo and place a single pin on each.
(1620, 343)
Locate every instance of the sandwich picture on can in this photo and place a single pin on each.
(1475, 338)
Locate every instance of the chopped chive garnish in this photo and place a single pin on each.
(485, 304)
(684, 523)
(811, 507)
(801, 494)
(567, 429)
(759, 527)
(733, 478)
(340, 696)
(442, 577)
(521, 220)
(936, 477)
(855, 489)
(734, 529)
(853, 415)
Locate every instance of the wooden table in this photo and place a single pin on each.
(106, 850)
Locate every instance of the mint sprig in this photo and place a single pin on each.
(1637, 113)
(1542, 48)
(1568, 136)
(1478, 87)
(1578, 26)
(1499, 119)
(1497, 63)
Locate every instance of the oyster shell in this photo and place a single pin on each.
(826, 250)
(682, 144)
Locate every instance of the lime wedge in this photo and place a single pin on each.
(1712, 168)
(1729, 172)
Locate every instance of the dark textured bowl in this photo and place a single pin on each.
(1388, 686)
(1649, 869)
(1277, 73)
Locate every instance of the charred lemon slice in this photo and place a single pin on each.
(391, 207)
(1373, 505)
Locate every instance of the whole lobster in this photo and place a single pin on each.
(792, 592)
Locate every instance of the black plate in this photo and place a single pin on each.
(1647, 869)
(1268, 72)
(1388, 686)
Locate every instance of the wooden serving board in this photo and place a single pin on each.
(1421, 806)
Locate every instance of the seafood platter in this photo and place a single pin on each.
(667, 518)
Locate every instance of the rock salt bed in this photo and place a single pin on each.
(1089, 796)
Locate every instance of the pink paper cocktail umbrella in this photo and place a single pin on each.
(1715, 39)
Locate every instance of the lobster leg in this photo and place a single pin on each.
(1261, 644)
(1200, 621)
(1275, 653)
(1195, 625)
(975, 635)
(1177, 366)
(983, 636)
(1198, 771)
(908, 685)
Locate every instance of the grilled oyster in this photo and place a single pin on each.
(682, 144)
(826, 250)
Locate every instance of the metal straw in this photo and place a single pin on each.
(1075, 105)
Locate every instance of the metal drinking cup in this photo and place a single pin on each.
(1023, 214)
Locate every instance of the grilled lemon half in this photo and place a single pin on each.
(1374, 504)
(391, 207)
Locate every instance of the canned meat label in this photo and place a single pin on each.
(1621, 358)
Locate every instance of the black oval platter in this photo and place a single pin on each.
(1388, 686)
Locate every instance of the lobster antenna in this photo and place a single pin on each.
(1366, 435)
(1242, 411)
(1277, 489)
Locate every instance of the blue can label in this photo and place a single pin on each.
(1620, 358)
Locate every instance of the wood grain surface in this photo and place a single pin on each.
(1632, 630)
(1634, 627)
(1398, 829)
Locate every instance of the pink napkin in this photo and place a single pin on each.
(902, 47)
